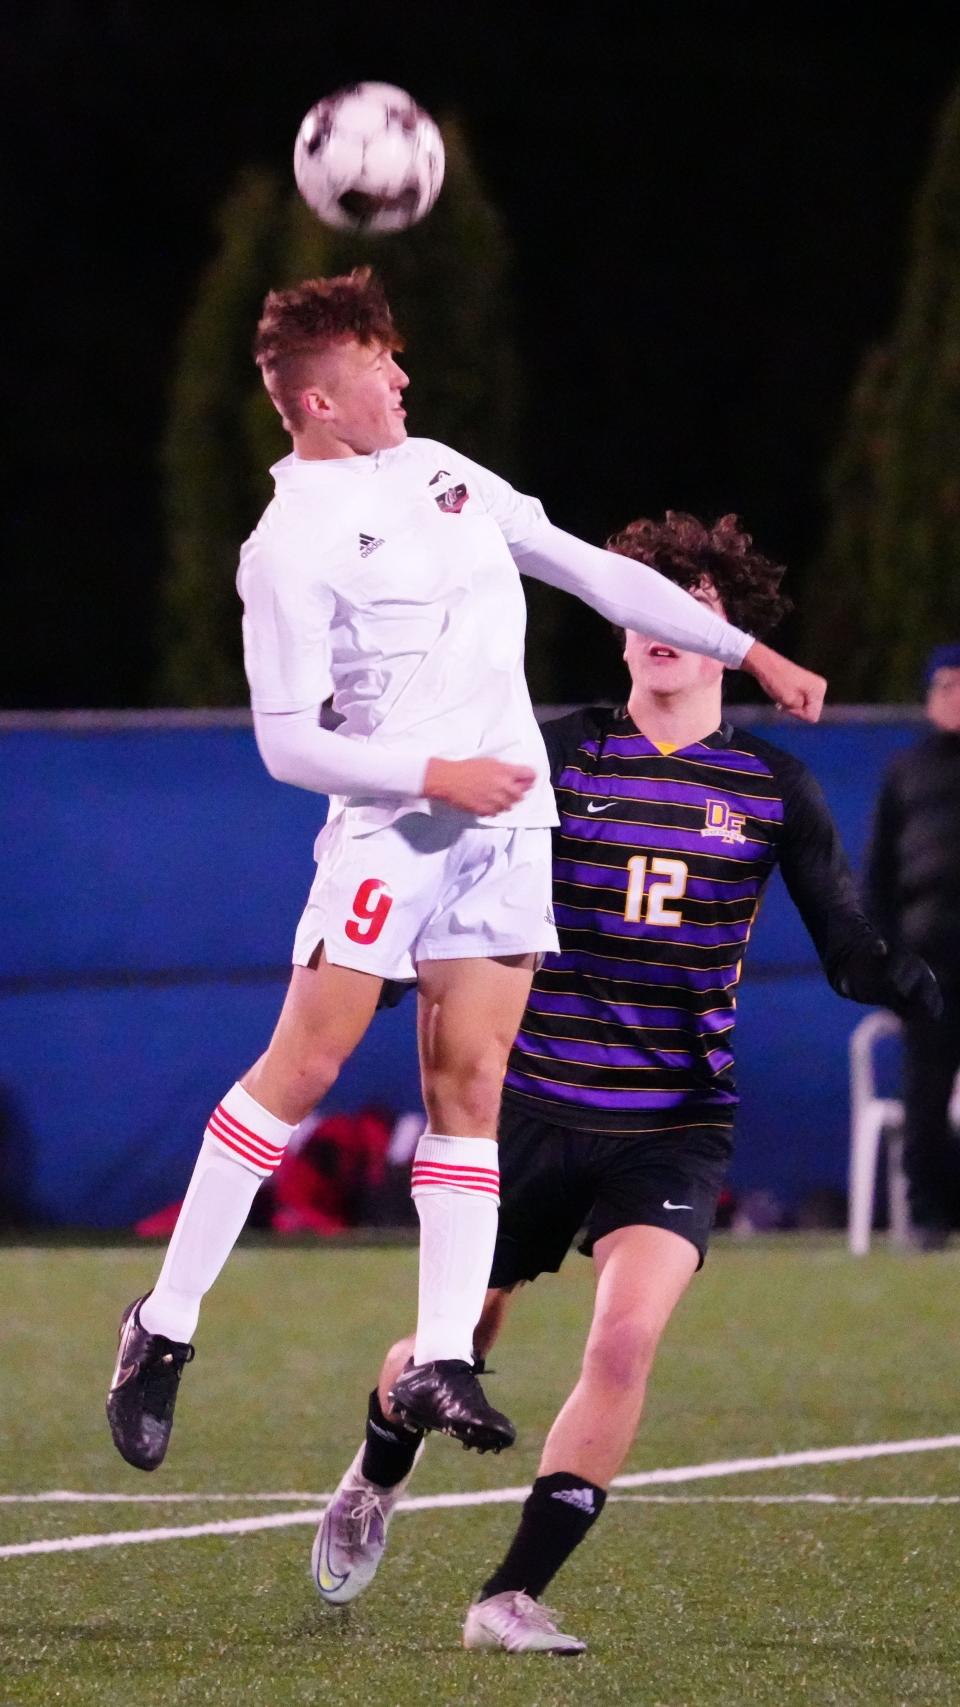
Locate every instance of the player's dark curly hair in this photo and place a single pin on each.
(687, 551)
(303, 321)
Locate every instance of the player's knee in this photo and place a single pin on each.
(620, 1351)
(315, 1067)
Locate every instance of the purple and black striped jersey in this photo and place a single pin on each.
(659, 864)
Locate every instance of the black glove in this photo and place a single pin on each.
(893, 978)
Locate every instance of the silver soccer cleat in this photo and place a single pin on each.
(517, 1624)
(352, 1535)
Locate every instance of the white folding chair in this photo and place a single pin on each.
(872, 1118)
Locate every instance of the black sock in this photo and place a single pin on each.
(558, 1512)
(390, 1448)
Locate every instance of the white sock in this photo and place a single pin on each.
(456, 1187)
(242, 1146)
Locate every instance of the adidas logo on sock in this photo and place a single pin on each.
(582, 1498)
(368, 543)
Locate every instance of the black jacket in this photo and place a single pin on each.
(912, 881)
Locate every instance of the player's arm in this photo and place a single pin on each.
(634, 595)
(858, 961)
(286, 641)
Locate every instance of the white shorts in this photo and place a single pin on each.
(423, 888)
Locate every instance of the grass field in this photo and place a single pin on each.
(732, 1588)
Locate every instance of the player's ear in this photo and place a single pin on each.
(316, 404)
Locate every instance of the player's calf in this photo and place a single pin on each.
(352, 1536)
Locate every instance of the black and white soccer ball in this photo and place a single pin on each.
(369, 159)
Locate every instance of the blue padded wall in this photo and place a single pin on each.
(152, 878)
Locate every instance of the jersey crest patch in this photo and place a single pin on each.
(721, 822)
(451, 501)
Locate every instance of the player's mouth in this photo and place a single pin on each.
(657, 650)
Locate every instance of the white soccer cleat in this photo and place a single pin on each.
(517, 1624)
(352, 1535)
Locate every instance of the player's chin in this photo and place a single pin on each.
(397, 429)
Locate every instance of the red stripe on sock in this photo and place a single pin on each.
(269, 1153)
(242, 1150)
(241, 1131)
(422, 1177)
(459, 1172)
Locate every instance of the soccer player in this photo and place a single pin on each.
(619, 1096)
(385, 572)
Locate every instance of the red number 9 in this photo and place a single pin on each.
(371, 904)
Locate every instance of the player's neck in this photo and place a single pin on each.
(676, 719)
(309, 447)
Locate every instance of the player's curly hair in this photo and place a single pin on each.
(303, 321)
(689, 552)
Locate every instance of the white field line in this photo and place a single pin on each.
(67, 1496)
(486, 1496)
(786, 1499)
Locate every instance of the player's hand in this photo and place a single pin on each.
(482, 786)
(801, 692)
(912, 990)
(893, 978)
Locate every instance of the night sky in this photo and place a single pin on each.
(709, 211)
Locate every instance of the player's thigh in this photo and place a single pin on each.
(327, 1006)
(324, 1016)
(469, 1011)
(642, 1273)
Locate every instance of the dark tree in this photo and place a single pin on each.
(449, 284)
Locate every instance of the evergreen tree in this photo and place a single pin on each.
(448, 282)
(891, 568)
(841, 617)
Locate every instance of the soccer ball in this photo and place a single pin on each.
(369, 159)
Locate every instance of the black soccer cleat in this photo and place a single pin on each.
(144, 1390)
(447, 1397)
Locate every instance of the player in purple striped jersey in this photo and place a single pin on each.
(619, 1097)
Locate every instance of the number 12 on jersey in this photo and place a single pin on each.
(670, 884)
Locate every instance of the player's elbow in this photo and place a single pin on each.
(277, 761)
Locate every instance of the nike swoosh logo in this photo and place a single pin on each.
(327, 1581)
(125, 1367)
(606, 804)
(668, 1205)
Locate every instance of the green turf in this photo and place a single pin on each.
(779, 1346)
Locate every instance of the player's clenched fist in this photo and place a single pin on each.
(792, 688)
(483, 786)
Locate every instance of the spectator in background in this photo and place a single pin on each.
(913, 893)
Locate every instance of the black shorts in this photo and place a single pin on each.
(556, 1182)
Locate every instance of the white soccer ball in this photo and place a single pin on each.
(369, 159)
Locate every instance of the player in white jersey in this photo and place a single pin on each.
(384, 573)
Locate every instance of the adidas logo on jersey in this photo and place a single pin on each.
(582, 1498)
(368, 543)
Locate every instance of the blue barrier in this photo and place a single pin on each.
(152, 875)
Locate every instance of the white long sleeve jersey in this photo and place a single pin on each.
(391, 582)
